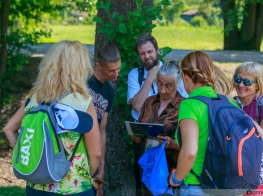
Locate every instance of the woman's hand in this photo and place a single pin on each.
(170, 143)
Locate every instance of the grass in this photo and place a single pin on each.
(189, 37)
(12, 191)
(83, 33)
(176, 37)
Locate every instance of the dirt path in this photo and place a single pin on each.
(7, 177)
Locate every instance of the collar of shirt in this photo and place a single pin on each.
(174, 102)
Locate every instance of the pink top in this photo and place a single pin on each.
(251, 110)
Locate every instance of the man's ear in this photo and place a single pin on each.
(98, 65)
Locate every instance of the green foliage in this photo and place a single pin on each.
(211, 12)
(171, 10)
(25, 16)
(26, 30)
(123, 31)
(235, 16)
(209, 9)
(198, 21)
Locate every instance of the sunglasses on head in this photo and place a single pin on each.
(246, 82)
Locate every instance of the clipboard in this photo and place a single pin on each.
(145, 130)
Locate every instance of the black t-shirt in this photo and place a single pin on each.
(102, 96)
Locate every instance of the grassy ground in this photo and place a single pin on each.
(12, 191)
(176, 37)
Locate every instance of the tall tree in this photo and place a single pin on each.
(5, 9)
(118, 158)
(243, 24)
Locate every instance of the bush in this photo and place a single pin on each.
(199, 21)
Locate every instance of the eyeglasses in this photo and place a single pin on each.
(246, 82)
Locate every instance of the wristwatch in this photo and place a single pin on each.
(176, 181)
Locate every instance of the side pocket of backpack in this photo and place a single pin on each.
(18, 144)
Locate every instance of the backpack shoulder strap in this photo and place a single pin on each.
(140, 75)
(204, 99)
(208, 100)
(259, 107)
(76, 147)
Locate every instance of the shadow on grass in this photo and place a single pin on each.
(12, 191)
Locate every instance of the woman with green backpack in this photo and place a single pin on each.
(62, 77)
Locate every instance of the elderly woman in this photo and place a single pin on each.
(248, 82)
(163, 107)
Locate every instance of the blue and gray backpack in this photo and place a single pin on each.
(234, 149)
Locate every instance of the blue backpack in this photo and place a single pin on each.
(234, 149)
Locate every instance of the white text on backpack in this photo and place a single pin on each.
(25, 149)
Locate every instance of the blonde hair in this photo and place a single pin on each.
(64, 69)
(201, 69)
(253, 69)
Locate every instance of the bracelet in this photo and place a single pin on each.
(176, 181)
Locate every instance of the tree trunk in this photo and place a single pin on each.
(118, 164)
(259, 26)
(5, 9)
(230, 34)
(252, 28)
(250, 35)
(248, 27)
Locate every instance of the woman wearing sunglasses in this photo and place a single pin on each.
(248, 82)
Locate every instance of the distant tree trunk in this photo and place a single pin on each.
(250, 35)
(252, 28)
(5, 9)
(118, 163)
(230, 37)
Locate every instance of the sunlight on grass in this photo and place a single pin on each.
(176, 37)
(83, 33)
(189, 38)
(12, 191)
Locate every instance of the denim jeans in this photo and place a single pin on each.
(33, 192)
(188, 190)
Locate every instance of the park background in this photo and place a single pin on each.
(212, 25)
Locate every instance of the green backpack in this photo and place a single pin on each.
(39, 156)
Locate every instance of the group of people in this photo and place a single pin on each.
(67, 75)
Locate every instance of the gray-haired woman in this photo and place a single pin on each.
(163, 107)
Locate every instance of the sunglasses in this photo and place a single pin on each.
(246, 82)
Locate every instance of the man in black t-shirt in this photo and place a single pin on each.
(107, 68)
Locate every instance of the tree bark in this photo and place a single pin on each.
(118, 159)
(230, 36)
(247, 31)
(252, 28)
(5, 10)
(258, 26)
(250, 35)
